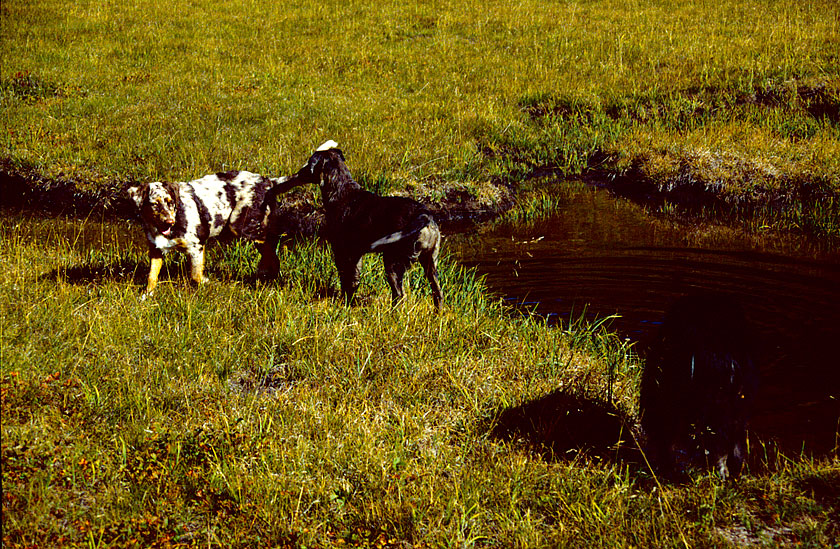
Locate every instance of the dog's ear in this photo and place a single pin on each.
(327, 145)
(138, 193)
(315, 164)
(173, 191)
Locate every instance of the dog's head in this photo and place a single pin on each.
(325, 168)
(326, 159)
(158, 204)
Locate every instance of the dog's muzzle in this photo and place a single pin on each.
(166, 228)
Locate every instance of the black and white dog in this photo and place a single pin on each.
(698, 387)
(358, 222)
(183, 216)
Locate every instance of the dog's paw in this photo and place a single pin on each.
(266, 275)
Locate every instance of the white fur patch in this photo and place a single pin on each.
(327, 145)
(429, 237)
(136, 194)
(163, 243)
(157, 191)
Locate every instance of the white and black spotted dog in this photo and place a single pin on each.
(358, 222)
(184, 216)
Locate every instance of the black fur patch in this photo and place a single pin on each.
(228, 176)
(230, 191)
(180, 228)
(203, 230)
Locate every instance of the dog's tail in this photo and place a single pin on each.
(409, 233)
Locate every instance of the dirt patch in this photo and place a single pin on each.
(278, 379)
(741, 536)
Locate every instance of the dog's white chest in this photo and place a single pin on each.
(163, 243)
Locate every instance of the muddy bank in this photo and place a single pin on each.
(809, 206)
(664, 150)
(26, 191)
(457, 212)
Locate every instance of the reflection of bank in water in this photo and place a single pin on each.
(607, 257)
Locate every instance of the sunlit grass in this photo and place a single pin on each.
(423, 97)
(530, 209)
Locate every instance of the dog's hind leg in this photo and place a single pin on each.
(395, 267)
(428, 259)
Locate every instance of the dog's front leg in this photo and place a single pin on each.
(349, 273)
(155, 264)
(269, 265)
(197, 265)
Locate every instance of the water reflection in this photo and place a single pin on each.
(606, 257)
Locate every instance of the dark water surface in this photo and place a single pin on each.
(606, 256)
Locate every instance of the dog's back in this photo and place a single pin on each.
(375, 219)
(234, 200)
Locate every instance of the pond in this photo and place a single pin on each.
(599, 256)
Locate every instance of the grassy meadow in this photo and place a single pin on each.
(242, 414)
(271, 415)
(435, 98)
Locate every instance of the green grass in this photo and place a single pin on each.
(234, 415)
(269, 415)
(741, 97)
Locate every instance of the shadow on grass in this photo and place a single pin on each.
(824, 489)
(117, 271)
(178, 272)
(137, 273)
(563, 425)
(327, 292)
